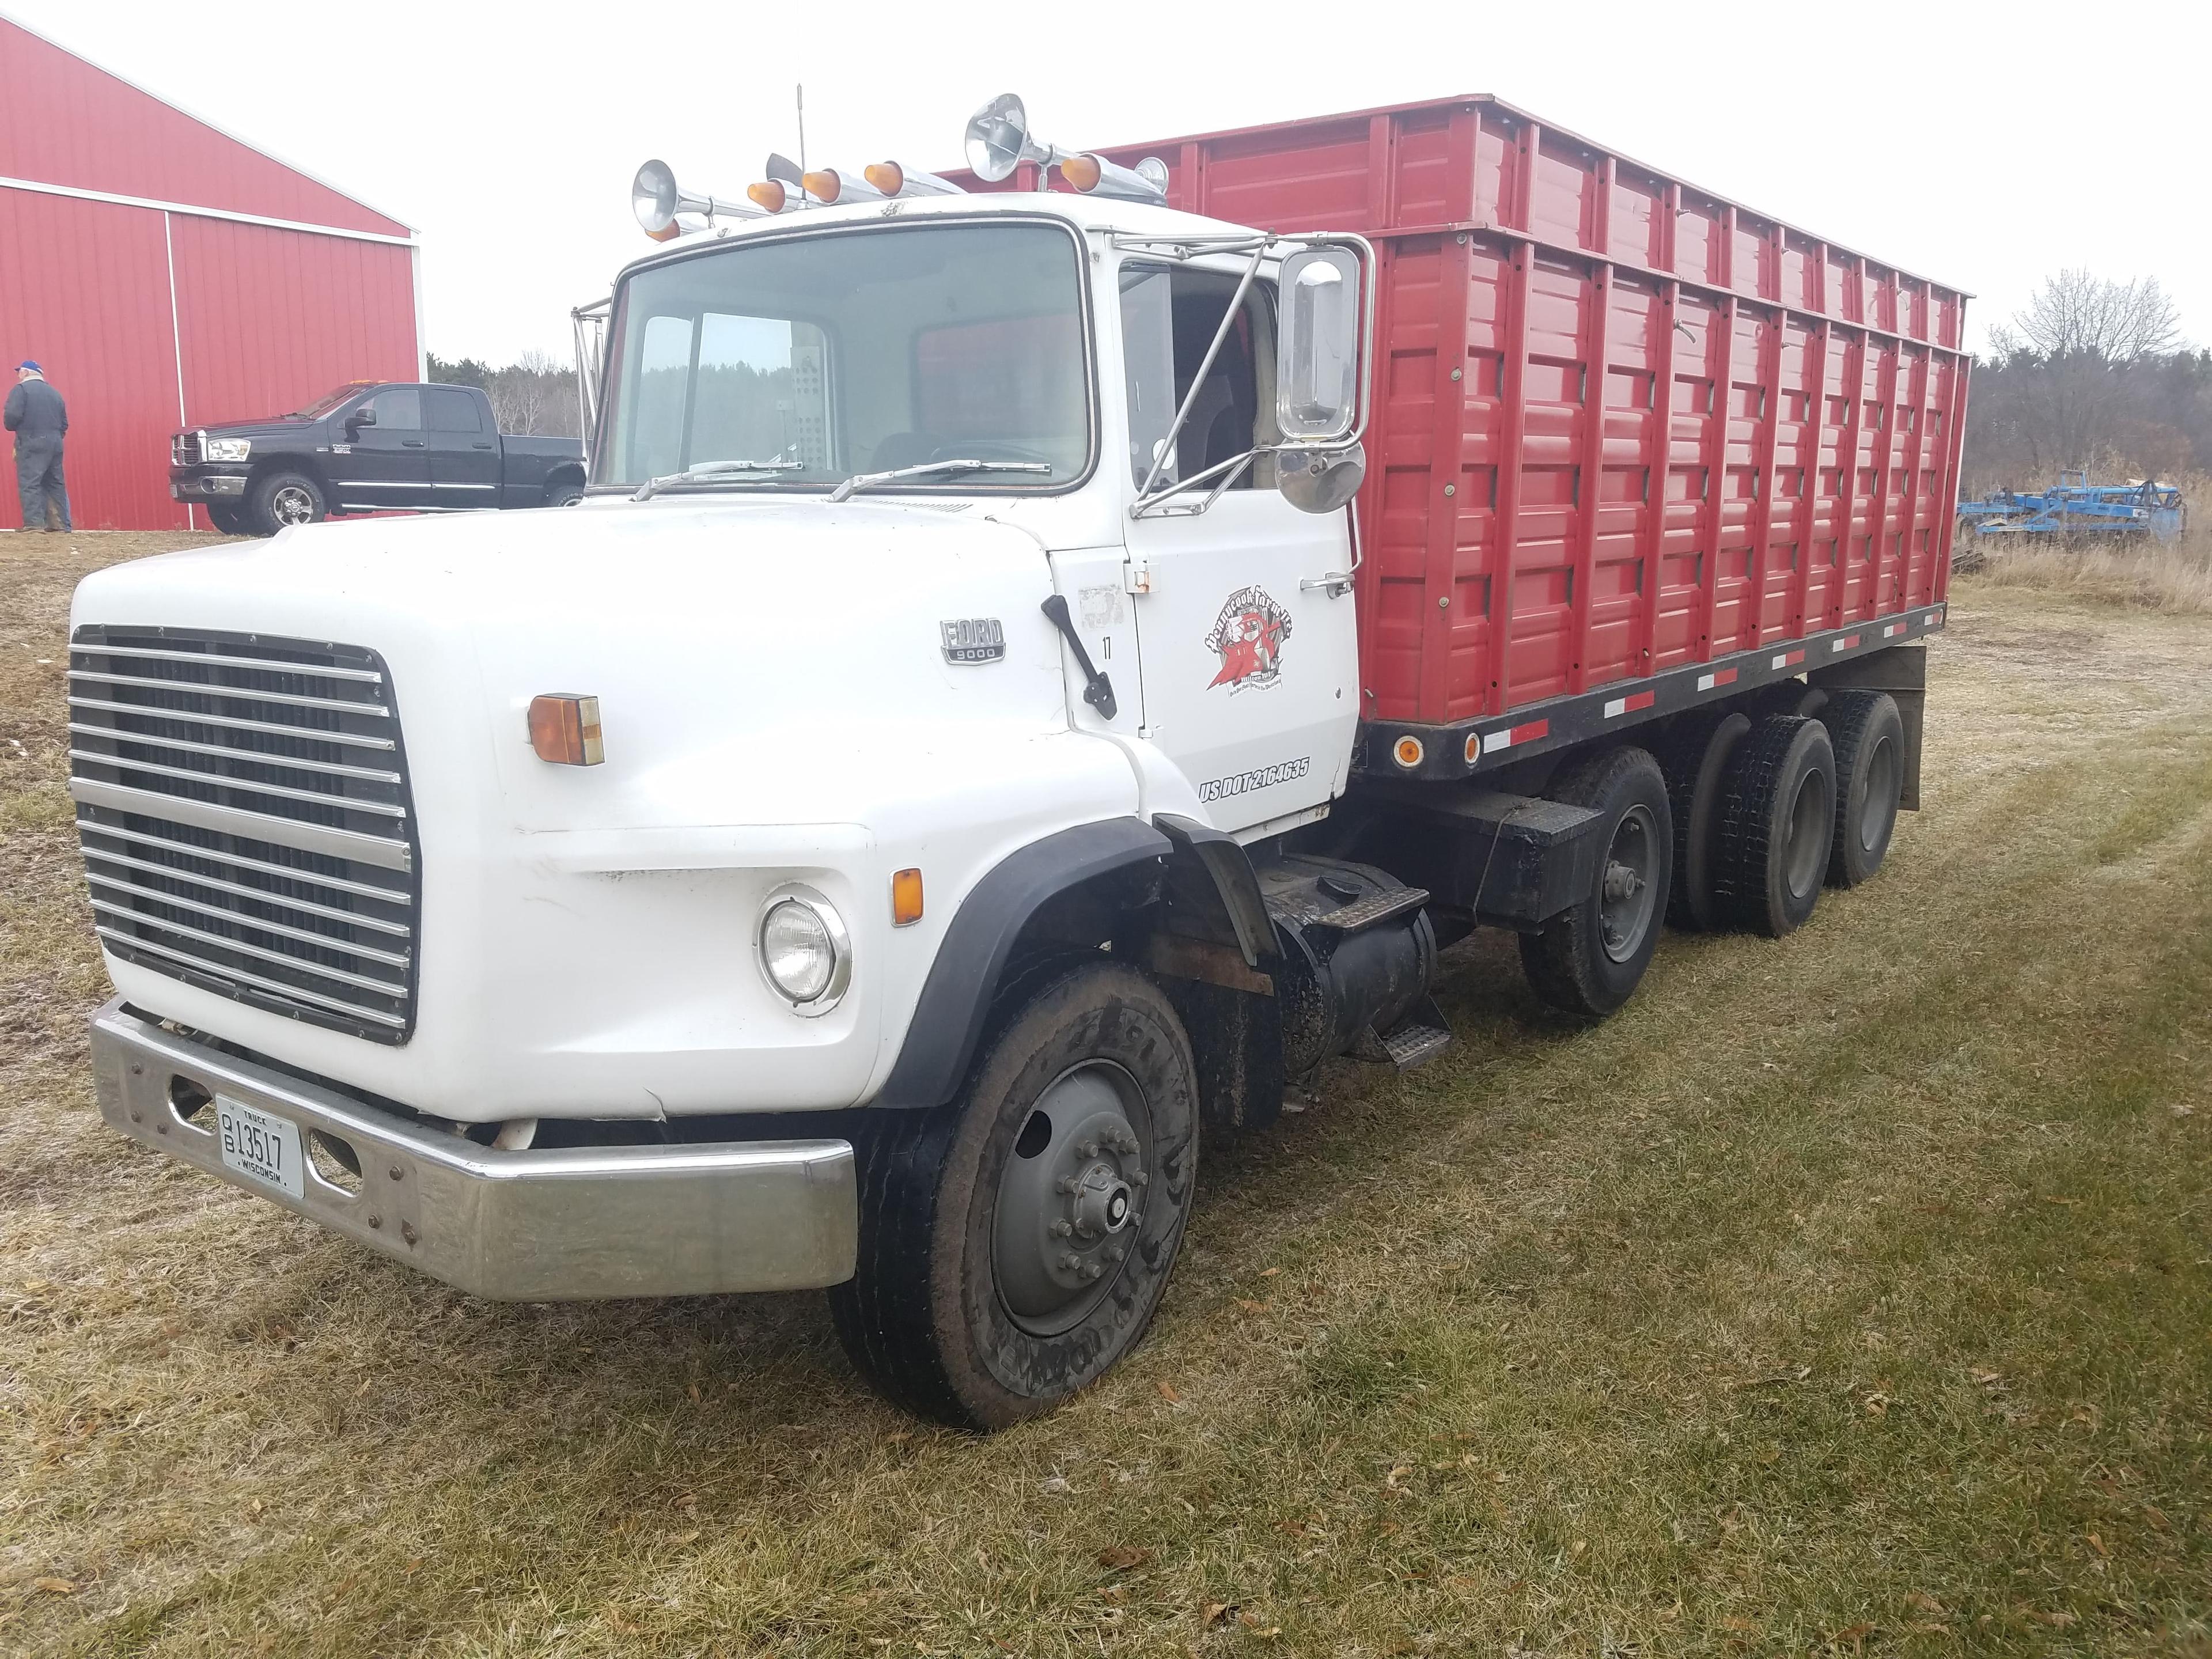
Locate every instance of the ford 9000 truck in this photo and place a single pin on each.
(1048, 656)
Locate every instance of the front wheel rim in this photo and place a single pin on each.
(294, 505)
(1071, 1199)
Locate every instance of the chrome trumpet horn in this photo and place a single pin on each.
(657, 201)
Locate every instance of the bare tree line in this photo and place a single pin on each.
(2091, 374)
(535, 395)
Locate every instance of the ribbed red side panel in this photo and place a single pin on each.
(84, 288)
(270, 320)
(64, 121)
(1621, 424)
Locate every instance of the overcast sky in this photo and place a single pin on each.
(1981, 145)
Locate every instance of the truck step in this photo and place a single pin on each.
(1411, 1047)
(1373, 910)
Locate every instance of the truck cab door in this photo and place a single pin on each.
(1250, 676)
(385, 464)
(464, 451)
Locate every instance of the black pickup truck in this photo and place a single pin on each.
(369, 447)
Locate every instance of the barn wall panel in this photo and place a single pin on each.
(271, 319)
(64, 121)
(84, 289)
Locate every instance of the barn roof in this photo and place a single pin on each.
(70, 125)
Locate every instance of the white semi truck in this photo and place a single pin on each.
(927, 784)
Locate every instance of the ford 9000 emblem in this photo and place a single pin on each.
(974, 639)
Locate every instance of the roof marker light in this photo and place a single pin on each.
(1094, 175)
(769, 194)
(893, 179)
(829, 185)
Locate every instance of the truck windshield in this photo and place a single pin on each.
(827, 356)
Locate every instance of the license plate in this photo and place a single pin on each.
(259, 1144)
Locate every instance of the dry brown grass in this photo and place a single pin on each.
(1848, 1294)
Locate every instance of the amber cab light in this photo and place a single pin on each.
(564, 728)
(667, 232)
(886, 176)
(822, 184)
(906, 898)
(768, 194)
(1081, 171)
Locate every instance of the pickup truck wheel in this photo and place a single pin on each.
(284, 499)
(1590, 958)
(225, 518)
(1778, 825)
(1694, 758)
(1868, 734)
(563, 492)
(1014, 1244)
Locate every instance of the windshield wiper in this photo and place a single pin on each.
(707, 472)
(861, 481)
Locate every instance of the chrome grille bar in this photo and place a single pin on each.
(265, 664)
(366, 775)
(259, 895)
(228, 693)
(245, 865)
(351, 740)
(134, 945)
(231, 839)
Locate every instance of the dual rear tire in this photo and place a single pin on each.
(1774, 807)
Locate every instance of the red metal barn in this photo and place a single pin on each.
(166, 274)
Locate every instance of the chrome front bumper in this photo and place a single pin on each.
(557, 1224)
(198, 485)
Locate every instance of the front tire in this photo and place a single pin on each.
(1590, 958)
(281, 500)
(1014, 1244)
(227, 519)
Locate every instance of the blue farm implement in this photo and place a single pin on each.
(2077, 507)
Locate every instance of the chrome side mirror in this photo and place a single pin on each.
(1320, 480)
(1317, 346)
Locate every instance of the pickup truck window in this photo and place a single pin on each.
(398, 407)
(447, 411)
(854, 352)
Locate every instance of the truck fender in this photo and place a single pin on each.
(956, 998)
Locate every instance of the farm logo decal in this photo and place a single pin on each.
(1248, 636)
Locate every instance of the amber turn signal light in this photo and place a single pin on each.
(1407, 752)
(565, 730)
(906, 898)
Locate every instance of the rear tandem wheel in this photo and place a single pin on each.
(1590, 958)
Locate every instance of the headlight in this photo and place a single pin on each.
(229, 449)
(805, 950)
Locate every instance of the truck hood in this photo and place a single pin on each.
(810, 631)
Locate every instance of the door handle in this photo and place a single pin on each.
(410, 443)
(479, 445)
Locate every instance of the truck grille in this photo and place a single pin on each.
(243, 807)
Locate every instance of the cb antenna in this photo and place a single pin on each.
(800, 91)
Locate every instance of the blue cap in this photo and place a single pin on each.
(33, 367)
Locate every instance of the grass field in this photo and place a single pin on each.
(1851, 1294)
